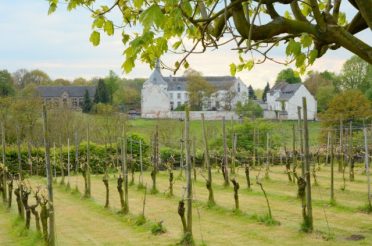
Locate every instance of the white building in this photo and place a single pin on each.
(161, 95)
(283, 99)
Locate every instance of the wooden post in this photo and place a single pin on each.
(181, 156)
(307, 168)
(331, 142)
(301, 141)
(207, 164)
(351, 164)
(141, 162)
(254, 148)
(233, 153)
(341, 155)
(22, 211)
(76, 153)
(54, 160)
(366, 160)
(3, 148)
(225, 161)
(88, 191)
(194, 157)
(29, 156)
(188, 176)
(328, 146)
(51, 239)
(267, 168)
(294, 154)
(68, 161)
(125, 171)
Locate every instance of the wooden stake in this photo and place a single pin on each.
(207, 164)
(307, 168)
(331, 142)
(301, 141)
(51, 239)
(225, 161)
(188, 177)
(366, 160)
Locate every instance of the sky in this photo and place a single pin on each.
(59, 45)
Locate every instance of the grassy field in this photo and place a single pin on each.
(85, 222)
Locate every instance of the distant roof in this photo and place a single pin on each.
(73, 91)
(220, 82)
(286, 90)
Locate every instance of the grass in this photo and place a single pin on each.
(87, 222)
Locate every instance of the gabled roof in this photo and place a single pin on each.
(219, 82)
(72, 91)
(286, 91)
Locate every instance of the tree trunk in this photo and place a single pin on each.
(51, 239)
(236, 194)
(207, 164)
(10, 191)
(106, 183)
(307, 169)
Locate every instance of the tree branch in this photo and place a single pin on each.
(365, 8)
(297, 12)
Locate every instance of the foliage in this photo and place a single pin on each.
(198, 89)
(249, 109)
(289, 76)
(265, 91)
(87, 103)
(102, 94)
(323, 96)
(128, 95)
(348, 105)
(307, 30)
(112, 84)
(6, 84)
(251, 93)
(355, 74)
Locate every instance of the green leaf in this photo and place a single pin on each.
(152, 15)
(249, 65)
(125, 38)
(287, 15)
(186, 65)
(98, 22)
(128, 65)
(306, 40)
(232, 69)
(312, 56)
(137, 3)
(293, 48)
(52, 8)
(177, 44)
(300, 59)
(109, 27)
(95, 38)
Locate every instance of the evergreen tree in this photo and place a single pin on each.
(87, 103)
(266, 90)
(251, 94)
(102, 94)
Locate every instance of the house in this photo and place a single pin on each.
(284, 99)
(66, 96)
(161, 95)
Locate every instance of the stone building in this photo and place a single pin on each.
(66, 96)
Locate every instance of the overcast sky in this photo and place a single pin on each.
(59, 45)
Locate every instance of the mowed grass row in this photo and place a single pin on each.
(221, 226)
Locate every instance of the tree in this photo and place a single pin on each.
(250, 109)
(251, 93)
(198, 89)
(308, 29)
(61, 82)
(102, 94)
(19, 77)
(87, 103)
(80, 81)
(316, 80)
(6, 84)
(349, 105)
(355, 74)
(112, 84)
(36, 77)
(266, 90)
(323, 96)
(289, 76)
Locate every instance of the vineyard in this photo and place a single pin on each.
(109, 180)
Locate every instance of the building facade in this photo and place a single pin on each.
(284, 99)
(161, 95)
(66, 96)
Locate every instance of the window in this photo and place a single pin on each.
(171, 95)
(178, 95)
(75, 102)
(171, 105)
(178, 104)
(238, 87)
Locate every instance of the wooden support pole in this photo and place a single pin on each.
(366, 160)
(51, 239)
(331, 142)
(301, 141)
(225, 171)
(207, 164)
(307, 168)
(188, 173)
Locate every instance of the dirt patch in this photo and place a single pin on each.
(355, 237)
